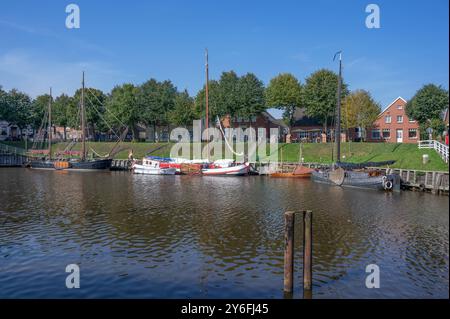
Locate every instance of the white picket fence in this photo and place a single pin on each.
(437, 146)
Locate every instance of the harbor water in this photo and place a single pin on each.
(140, 236)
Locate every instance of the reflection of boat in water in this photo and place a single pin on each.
(152, 167)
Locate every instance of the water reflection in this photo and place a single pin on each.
(181, 236)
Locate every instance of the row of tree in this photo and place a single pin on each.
(156, 103)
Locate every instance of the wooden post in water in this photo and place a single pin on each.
(307, 250)
(289, 220)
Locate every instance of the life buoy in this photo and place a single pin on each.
(388, 185)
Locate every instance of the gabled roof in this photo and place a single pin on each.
(279, 122)
(392, 103)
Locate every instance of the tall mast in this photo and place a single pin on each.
(206, 91)
(207, 99)
(83, 129)
(50, 125)
(338, 111)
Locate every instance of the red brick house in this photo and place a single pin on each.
(394, 126)
(262, 120)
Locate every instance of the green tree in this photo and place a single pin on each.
(284, 92)
(359, 110)
(215, 107)
(228, 93)
(320, 95)
(427, 104)
(123, 108)
(251, 96)
(39, 108)
(15, 107)
(65, 112)
(184, 111)
(94, 103)
(156, 100)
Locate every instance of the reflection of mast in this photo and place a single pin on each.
(207, 103)
(83, 129)
(50, 125)
(338, 110)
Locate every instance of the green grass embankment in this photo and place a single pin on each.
(407, 156)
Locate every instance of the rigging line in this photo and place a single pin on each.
(40, 131)
(101, 116)
(123, 124)
(226, 141)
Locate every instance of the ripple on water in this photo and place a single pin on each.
(179, 236)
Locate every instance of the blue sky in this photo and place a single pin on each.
(132, 41)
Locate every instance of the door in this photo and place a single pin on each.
(399, 136)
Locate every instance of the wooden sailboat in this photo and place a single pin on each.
(85, 163)
(219, 167)
(46, 161)
(342, 174)
(299, 171)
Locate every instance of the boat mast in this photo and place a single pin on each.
(338, 111)
(83, 138)
(207, 101)
(50, 125)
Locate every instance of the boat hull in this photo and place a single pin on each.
(238, 170)
(42, 164)
(102, 164)
(290, 175)
(143, 169)
(352, 179)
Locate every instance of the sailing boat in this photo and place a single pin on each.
(44, 162)
(342, 174)
(85, 163)
(221, 167)
(299, 170)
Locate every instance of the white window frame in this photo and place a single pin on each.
(386, 119)
(401, 117)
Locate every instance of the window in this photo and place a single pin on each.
(412, 133)
(399, 107)
(375, 134)
(388, 119)
(386, 133)
(411, 121)
(254, 119)
(399, 119)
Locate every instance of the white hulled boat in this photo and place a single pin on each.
(152, 167)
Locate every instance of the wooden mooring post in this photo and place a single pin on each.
(289, 219)
(307, 250)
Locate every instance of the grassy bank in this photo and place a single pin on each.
(407, 156)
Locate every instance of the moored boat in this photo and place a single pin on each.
(226, 168)
(152, 167)
(298, 172)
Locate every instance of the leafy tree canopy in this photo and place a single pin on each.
(285, 93)
(427, 104)
(320, 95)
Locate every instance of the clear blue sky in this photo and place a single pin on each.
(132, 41)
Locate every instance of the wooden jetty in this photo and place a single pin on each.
(11, 156)
(436, 182)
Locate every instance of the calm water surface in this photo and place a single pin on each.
(212, 237)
